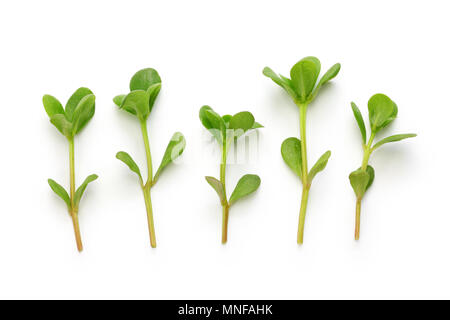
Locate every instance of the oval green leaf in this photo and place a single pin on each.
(60, 191)
(62, 124)
(213, 122)
(128, 160)
(281, 81)
(241, 122)
(218, 187)
(329, 75)
(291, 151)
(304, 76)
(136, 102)
(319, 166)
(74, 100)
(382, 111)
(394, 138)
(52, 106)
(83, 113)
(248, 184)
(118, 100)
(144, 78)
(360, 121)
(174, 149)
(359, 180)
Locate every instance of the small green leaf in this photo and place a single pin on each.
(359, 180)
(128, 160)
(153, 92)
(394, 138)
(304, 76)
(174, 149)
(144, 78)
(213, 122)
(62, 124)
(83, 113)
(257, 125)
(382, 111)
(60, 191)
(291, 151)
(136, 102)
(319, 166)
(118, 100)
(74, 100)
(226, 118)
(52, 105)
(283, 82)
(218, 187)
(360, 121)
(370, 170)
(246, 185)
(241, 122)
(80, 190)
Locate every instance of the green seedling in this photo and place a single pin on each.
(228, 129)
(144, 89)
(70, 121)
(382, 111)
(303, 88)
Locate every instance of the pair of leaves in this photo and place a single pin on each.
(304, 74)
(144, 86)
(227, 127)
(62, 193)
(248, 184)
(79, 110)
(174, 149)
(361, 180)
(382, 111)
(291, 151)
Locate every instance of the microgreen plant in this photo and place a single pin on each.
(303, 88)
(228, 129)
(70, 121)
(144, 89)
(382, 111)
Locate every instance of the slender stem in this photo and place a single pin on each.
(146, 187)
(306, 185)
(74, 210)
(225, 206)
(151, 224)
(303, 108)
(301, 221)
(147, 152)
(358, 218)
(225, 223)
(365, 162)
(367, 152)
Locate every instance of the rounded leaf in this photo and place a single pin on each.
(371, 171)
(128, 160)
(382, 111)
(241, 122)
(136, 102)
(144, 78)
(304, 76)
(213, 122)
(83, 113)
(249, 183)
(74, 100)
(359, 180)
(291, 151)
(52, 105)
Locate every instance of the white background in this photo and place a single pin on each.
(211, 52)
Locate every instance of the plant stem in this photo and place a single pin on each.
(301, 221)
(146, 187)
(365, 163)
(74, 211)
(306, 186)
(225, 206)
(358, 218)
